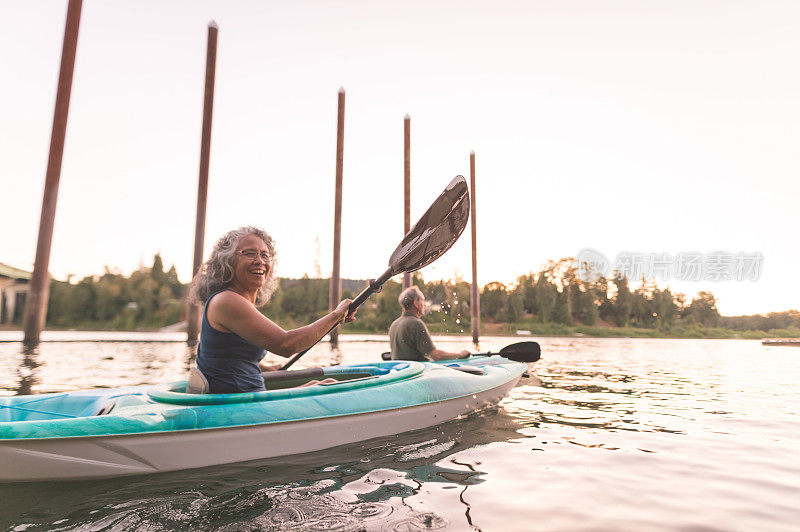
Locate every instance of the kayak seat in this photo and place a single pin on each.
(196, 383)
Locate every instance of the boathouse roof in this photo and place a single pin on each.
(13, 273)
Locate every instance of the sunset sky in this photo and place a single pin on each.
(622, 126)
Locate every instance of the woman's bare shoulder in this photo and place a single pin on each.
(228, 301)
(228, 295)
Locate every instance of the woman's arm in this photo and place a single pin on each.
(230, 312)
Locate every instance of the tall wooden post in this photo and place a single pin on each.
(406, 187)
(193, 317)
(39, 291)
(336, 282)
(475, 297)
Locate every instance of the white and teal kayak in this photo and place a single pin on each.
(146, 429)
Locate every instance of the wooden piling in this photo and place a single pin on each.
(193, 316)
(475, 298)
(39, 291)
(335, 293)
(406, 186)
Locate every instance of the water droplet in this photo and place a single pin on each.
(372, 510)
(429, 521)
(283, 515)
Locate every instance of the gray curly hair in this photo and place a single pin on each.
(409, 296)
(217, 272)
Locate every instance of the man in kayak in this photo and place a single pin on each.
(408, 335)
(234, 336)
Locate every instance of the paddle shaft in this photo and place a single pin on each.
(374, 286)
(520, 351)
(388, 355)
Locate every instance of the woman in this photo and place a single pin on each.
(236, 279)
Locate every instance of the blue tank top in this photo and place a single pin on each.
(228, 361)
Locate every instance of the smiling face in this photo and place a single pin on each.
(250, 274)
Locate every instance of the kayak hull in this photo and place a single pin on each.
(339, 418)
(110, 456)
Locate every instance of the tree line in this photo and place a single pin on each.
(554, 296)
(148, 298)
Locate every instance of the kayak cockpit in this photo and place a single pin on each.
(281, 380)
(287, 384)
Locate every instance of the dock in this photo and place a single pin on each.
(781, 341)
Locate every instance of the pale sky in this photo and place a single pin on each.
(620, 126)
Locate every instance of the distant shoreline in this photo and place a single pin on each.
(519, 331)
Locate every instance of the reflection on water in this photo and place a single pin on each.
(621, 435)
(27, 371)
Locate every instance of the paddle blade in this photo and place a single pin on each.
(522, 352)
(436, 231)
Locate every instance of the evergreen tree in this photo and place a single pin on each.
(703, 309)
(157, 271)
(494, 302)
(622, 303)
(544, 298)
(665, 308)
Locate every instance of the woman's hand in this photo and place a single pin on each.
(269, 367)
(343, 309)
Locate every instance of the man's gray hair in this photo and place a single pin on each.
(216, 273)
(409, 296)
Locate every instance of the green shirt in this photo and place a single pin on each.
(409, 338)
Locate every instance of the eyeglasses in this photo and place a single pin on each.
(252, 254)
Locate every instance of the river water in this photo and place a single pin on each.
(614, 434)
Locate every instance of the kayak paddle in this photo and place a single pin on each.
(519, 352)
(435, 232)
